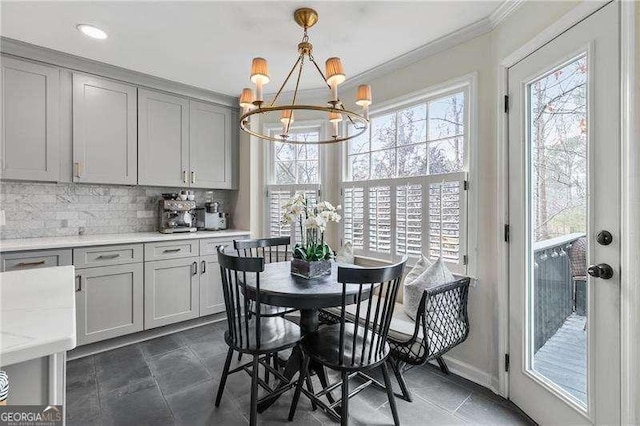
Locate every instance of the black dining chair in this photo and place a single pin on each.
(252, 334)
(271, 250)
(354, 348)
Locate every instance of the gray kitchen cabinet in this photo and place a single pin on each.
(211, 294)
(21, 260)
(211, 149)
(163, 139)
(171, 291)
(109, 302)
(30, 121)
(104, 131)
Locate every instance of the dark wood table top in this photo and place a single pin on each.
(279, 288)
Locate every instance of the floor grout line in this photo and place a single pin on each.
(465, 400)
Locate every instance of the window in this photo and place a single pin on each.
(405, 191)
(291, 168)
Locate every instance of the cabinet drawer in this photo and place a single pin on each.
(210, 246)
(170, 250)
(35, 259)
(88, 257)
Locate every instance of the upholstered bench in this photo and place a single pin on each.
(442, 318)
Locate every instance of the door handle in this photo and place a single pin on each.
(184, 176)
(78, 168)
(601, 270)
(79, 287)
(203, 266)
(25, 264)
(109, 256)
(194, 268)
(193, 177)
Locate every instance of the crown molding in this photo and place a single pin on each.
(471, 31)
(504, 11)
(33, 52)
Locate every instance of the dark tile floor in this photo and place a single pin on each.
(173, 379)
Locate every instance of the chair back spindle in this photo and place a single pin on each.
(270, 249)
(363, 342)
(243, 325)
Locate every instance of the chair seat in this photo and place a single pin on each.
(276, 334)
(323, 346)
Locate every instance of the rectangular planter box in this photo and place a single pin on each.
(309, 270)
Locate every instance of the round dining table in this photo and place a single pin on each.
(278, 287)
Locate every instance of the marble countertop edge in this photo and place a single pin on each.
(45, 243)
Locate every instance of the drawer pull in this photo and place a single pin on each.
(79, 287)
(194, 268)
(171, 250)
(25, 264)
(108, 256)
(203, 266)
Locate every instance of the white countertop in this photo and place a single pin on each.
(37, 313)
(109, 239)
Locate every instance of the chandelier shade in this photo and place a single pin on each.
(333, 111)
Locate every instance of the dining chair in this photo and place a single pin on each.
(352, 348)
(271, 250)
(253, 334)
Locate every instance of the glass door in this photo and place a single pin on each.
(564, 218)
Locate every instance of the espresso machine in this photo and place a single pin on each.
(176, 216)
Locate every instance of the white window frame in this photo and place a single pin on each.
(269, 177)
(469, 204)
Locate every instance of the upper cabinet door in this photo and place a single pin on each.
(211, 146)
(163, 139)
(30, 105)
(104, 131)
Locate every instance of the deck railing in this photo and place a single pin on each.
(552, 286)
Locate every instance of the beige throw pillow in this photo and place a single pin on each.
(435, 275)
(418, 269)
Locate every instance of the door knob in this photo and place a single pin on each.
(601, 270)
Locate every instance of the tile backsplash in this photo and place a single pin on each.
(63, 209)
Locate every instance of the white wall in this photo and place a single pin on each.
(477, 358)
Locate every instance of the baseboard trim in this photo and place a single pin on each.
(118, 342)
(469, 372)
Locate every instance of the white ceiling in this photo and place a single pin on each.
(210, 44)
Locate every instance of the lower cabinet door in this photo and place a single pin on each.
(171, 291)
(211, 295)
(109, 302)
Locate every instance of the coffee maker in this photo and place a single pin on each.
(176, 216)
(211, 218)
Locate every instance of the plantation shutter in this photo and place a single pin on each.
(277, 196)
(353, 216)
(379, 206)
(409, 219)
(386, 219)
(447, 220)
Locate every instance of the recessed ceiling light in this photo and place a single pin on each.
(91, 31)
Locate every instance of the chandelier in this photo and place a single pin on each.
(334, 111)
